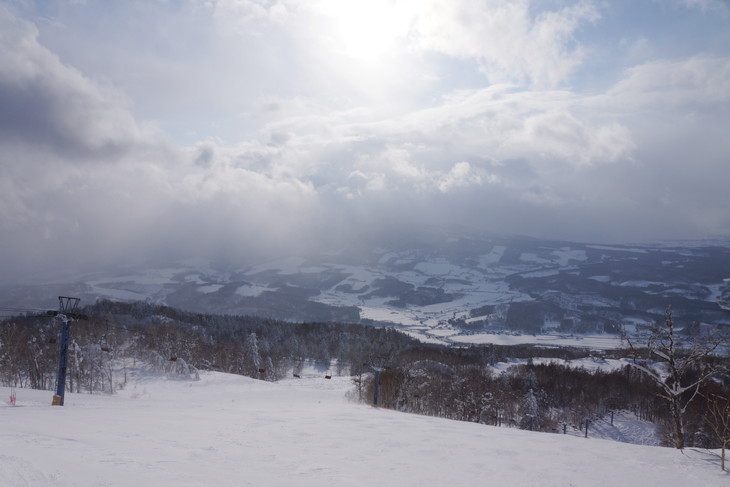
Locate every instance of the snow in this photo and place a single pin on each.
(601, 278)
(392, 256)
(443, 332)
(471, 296)
(492, 257)
(589, 363)
(419, 334)
(542, 273)
(532, 258)
(565, 255)
(227, 430)
(626, 428)
(617, 249)
(716, 291)
(593, 342)
(640, 283)
(251, 290)
(393, 315)
(210, 288)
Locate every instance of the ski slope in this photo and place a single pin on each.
(226, 430)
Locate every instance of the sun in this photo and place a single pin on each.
(366, 29)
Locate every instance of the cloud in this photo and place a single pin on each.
(46, 103)
(463, 175)
(698, 81)
(248, 11)
(84, 183)
(559, 135)
(291, 148)
(508, 40)
(500, 123)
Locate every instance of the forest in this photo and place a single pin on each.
(459, 383)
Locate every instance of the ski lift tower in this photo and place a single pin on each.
(377, 368)
(66, 313)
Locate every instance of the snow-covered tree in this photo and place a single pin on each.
(680, 371)
(530, 411)
(252, 356)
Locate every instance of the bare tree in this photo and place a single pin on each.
(680, 371)
(718, 418)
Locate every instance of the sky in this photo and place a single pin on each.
(144, 130)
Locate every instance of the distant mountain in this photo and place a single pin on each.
(440, 288)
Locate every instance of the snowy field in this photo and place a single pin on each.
(593, 342)
(590, 364)
(226, 430)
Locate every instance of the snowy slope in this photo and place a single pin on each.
(626, 427)
(226, 430)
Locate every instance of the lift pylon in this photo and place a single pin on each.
(67, 313)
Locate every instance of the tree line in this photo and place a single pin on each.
(181, 343)
(679, 383)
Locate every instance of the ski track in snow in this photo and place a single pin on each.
(626, 428)
(227, 430)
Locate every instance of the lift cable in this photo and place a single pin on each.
(23, 310)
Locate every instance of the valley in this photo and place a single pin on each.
(449, 290)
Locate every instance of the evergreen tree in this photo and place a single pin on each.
(530, 410)
(252, 359)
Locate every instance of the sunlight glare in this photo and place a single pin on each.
(367, 30)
